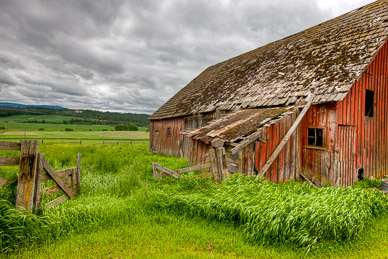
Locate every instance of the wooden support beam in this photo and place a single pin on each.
(288, 135)
(308, 180)
(49, 170)
(248, 140)
(9, 161)
(166, 170)
(56, 201)
(27, 173)
(9, 145)
(193, 168)
(213, 162)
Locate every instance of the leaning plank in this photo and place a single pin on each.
(193, 168)
(167, 171)
(307, 179)
(49, 170)
(27, 174)
(287, 136)
(3, 181)
(248, 140)
(9, 145)
(56, 201)
(78, 174)
(8, 161)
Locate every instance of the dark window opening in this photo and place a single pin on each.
(369, 101)
(360, 174)
(168, 132)
(315, 137)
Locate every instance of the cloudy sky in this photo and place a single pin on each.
(132, 56)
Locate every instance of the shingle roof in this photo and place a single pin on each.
(239, 124)
(330, 56)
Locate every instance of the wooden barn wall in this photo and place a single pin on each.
(317, 162)
(160, 141)
(285, 166)
(198, 152)
(371, 133)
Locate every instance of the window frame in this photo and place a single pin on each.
(315, 137)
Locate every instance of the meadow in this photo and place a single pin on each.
(122, 212)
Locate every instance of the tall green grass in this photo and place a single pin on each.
(270, 213)
(118, 190)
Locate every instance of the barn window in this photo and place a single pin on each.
(168, 132)
(315, 137)
(369, 101)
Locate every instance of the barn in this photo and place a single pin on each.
(319, 98)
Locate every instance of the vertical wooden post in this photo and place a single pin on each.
(221, 163)
(27, 173)
(78, 173)
(213, 162)
(38, 183)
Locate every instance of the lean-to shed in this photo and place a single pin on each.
(248, 103)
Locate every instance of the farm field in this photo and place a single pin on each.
(122, 212)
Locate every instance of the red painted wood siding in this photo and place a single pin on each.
(371, 133)
(160, 142)
(285, 165)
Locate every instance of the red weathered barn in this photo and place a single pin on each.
(248, 103)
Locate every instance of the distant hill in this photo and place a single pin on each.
(18, 105)
(76, 116)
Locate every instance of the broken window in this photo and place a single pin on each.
(315, 137)
(369, 101)
(168, 132)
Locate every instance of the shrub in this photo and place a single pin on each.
(69, 129)
(2, 127)
(104, 130)
(126, 127)
(41, 129)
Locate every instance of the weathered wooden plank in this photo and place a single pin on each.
(167, 171)
(308, 180)
(65, 172)
(38, 183)
(52, 189)
(27, 173)
(288, 135)
(77, 179)
(56, 201)
(47, 167)
(248, 140)
(193, 168)
(9, 161)
(3, 181)
(10, 145)
(213, 162)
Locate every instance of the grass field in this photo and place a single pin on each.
(122, 212)
(46, 118)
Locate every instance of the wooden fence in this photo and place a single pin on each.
(34, 170)
(218, 168)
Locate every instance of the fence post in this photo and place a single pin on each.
(78, 172)
(27, 173)
(38, 183)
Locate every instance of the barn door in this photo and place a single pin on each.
(346, 155)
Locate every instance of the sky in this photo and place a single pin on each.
(132, 56)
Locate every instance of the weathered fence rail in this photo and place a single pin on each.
(34, 170)
(218, 168)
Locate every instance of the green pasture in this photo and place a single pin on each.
(123, 212)
(46, 118)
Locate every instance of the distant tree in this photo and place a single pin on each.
(126, 127)
(69, 129)
(41, 129)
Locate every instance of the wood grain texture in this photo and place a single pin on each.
(47, 167)
(9, 145)
(38, 183)
(57, 201)
(27, 173)
(9, 161)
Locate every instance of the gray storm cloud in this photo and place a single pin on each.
(132, 56)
